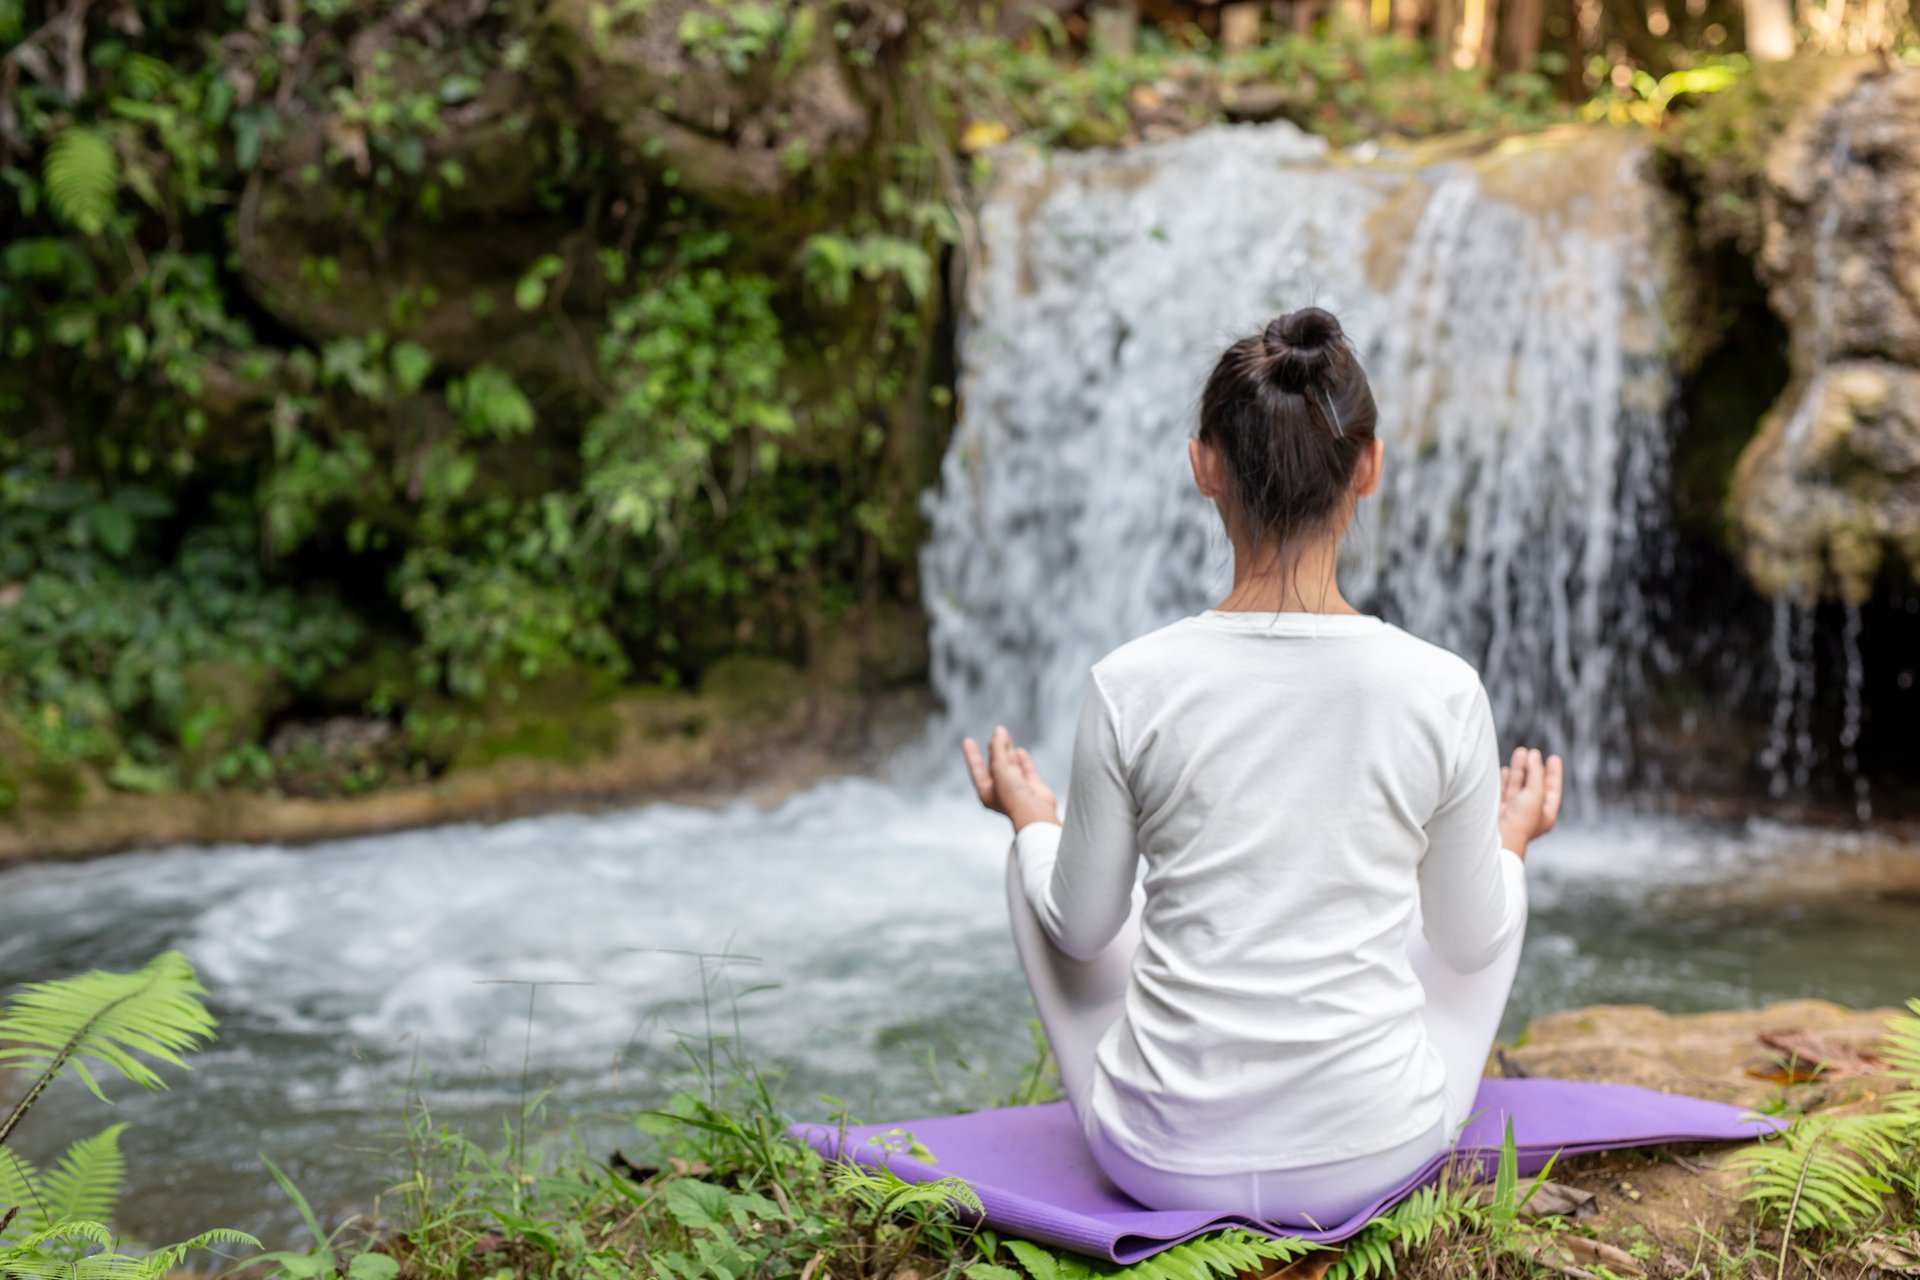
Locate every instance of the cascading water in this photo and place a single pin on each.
(1790, 752)
(1512, 332)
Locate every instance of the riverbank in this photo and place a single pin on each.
(720, 1184)
(760, 745)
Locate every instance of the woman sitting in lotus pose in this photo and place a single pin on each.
(1292, 1012)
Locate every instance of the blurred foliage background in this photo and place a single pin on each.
(389, 364)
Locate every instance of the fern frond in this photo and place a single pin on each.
(79, 1250)
(1366, 1256)
(20, 1189)
(87, 1181)
(168, 1260)
(885, 1192)
(1825, 1174)
(1212, 1257)
(103, 1019)
(82, 175)
(146, 75)
(1902, 1047)
(1430, 1213)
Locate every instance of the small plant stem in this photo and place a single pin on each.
(1793, 1210)
(526, 1070)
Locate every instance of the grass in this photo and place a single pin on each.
(718, 1191)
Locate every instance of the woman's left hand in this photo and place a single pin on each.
(1007, 781)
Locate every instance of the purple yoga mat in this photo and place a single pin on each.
(1037, 1179)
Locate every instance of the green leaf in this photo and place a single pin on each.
(529, 293)
(991, 1271)
(112, 527)
(699, 1206)
(373, 1266)
(411, 365)
(82, 174)
(490, 404)
(1040, 1263)
(307, 1216)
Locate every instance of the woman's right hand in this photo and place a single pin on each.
(1007, 782)
(1529, 798)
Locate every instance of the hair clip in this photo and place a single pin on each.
(1339, 432)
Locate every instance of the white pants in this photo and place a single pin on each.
(1078, 1000)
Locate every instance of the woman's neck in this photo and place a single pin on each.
(1270, 581)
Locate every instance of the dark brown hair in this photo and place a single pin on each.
(1290, 412)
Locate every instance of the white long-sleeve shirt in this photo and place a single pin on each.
(1298, 785)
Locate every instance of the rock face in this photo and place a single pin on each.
(759, 120)
(1830, 486)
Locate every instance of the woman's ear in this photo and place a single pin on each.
(1206, 467)
(1366, 477)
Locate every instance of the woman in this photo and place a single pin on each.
(1292, 1012)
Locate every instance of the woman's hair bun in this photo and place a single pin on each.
(1302, 346)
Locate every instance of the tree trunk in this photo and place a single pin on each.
(1520, 27)
(1113, 27)
(1769, 30)
(1446, 20)
(1239, 26)
(1476, 32)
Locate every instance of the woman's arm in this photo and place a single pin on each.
(1473, 892)
(1078, 875)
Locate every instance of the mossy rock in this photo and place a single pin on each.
(752, 690)
(226, 704)
(1718, 154)
(878, 646)
(564, 716)
(57, 786)
(388, 676)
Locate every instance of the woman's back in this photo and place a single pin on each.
(1296, 1012)
(1290, 779)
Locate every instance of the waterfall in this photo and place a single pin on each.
(1507, 309)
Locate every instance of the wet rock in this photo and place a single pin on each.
(1259, 102)
(1819, 184)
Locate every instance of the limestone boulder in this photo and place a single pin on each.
(1814, 172)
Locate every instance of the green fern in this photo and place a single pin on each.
(101, 1021)
(1837, 1173)
(82, 175)
(52, 1221)
(84, 1186)
(86, 1183)
(1222, 1254)
(1430, 1213)
(1902, 1052)
(1824, 1173)
(1453, 1207)
(884, 1193)
(85, 1251)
